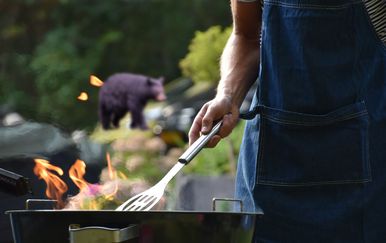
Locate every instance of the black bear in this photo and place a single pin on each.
(126, 92)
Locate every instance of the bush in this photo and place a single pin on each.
(201, 64)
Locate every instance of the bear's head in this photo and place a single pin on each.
(157, 88)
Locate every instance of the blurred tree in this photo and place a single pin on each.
(63, 71)
(202, 62)
(49, 48)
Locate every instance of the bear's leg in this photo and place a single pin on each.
(104, 117)
(137, 118)
(117, 116)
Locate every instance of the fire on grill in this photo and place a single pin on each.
(96, 225)
(108, 193)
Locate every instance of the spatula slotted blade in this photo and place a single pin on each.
(149, 198)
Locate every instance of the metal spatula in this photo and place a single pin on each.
(147, 199)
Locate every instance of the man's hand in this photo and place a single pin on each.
(239, 70)
(220, 108)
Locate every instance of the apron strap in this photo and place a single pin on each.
(251, 114)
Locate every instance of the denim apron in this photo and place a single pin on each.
(314, 158)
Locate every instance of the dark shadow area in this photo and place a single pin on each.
(21, 144)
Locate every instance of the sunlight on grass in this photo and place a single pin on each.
(124, 131)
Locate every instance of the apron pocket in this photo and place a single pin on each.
(299, 149)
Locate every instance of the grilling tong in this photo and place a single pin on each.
(147, 199)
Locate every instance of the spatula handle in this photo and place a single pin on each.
(196, 147)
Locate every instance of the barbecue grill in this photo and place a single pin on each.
(47, 226)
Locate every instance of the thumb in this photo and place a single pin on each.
(207, 122)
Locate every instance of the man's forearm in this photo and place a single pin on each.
(239, 67)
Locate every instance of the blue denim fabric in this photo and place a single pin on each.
(314, 159)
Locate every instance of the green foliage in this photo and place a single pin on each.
(202, 62)
(62, 73)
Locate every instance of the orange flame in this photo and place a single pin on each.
(55, 186)
(87, 198)
(76, 172)
(121, 175)
(83, 96)
(112, 173)
(95, 81)
(113, 176)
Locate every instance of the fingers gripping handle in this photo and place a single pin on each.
(196, 147)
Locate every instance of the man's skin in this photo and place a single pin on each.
(239, 69)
